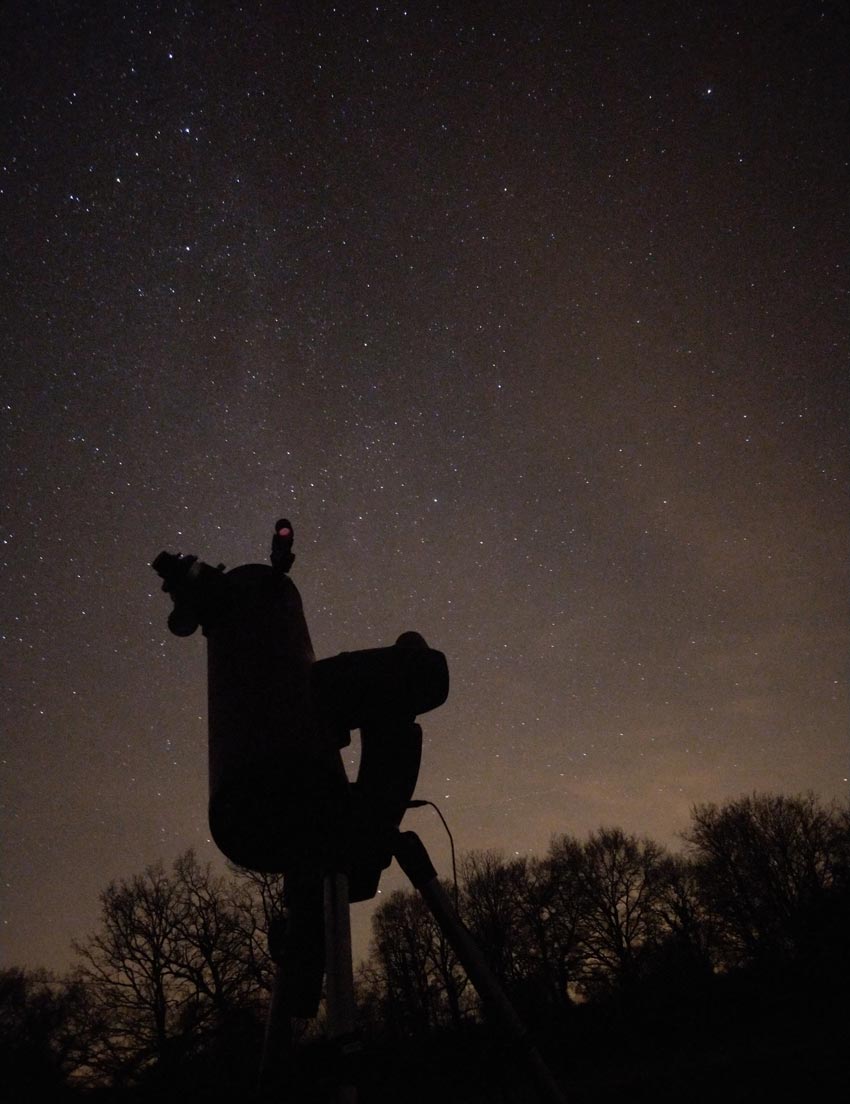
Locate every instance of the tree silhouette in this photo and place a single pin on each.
(416, 977)
(494, 905)
(171, 968)
(39, 1043)
(620, 884)
(256, 900)
(607, 941)
(766, 864)
(558, 917)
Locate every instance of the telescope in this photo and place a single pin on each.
(279, 797)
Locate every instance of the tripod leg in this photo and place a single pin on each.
(277, 1056)
(416, 864)
(296, 946)
(339, 977)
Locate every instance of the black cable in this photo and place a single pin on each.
(418, 805)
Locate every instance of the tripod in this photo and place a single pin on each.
(413, 858)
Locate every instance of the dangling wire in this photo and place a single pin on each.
(418, 805)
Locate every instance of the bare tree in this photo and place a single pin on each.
(168, 966)
(41, 1049)
(210, 944)
(557, 914)
(129, 967)
(494, 906)
(621, 881)
(258, 902)
(765, 862)
(685, 920)
(414, 973)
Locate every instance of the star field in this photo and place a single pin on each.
(534, 323)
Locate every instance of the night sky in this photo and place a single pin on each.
(531, 317)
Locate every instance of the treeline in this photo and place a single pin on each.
(171, 990)
(626, 960)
